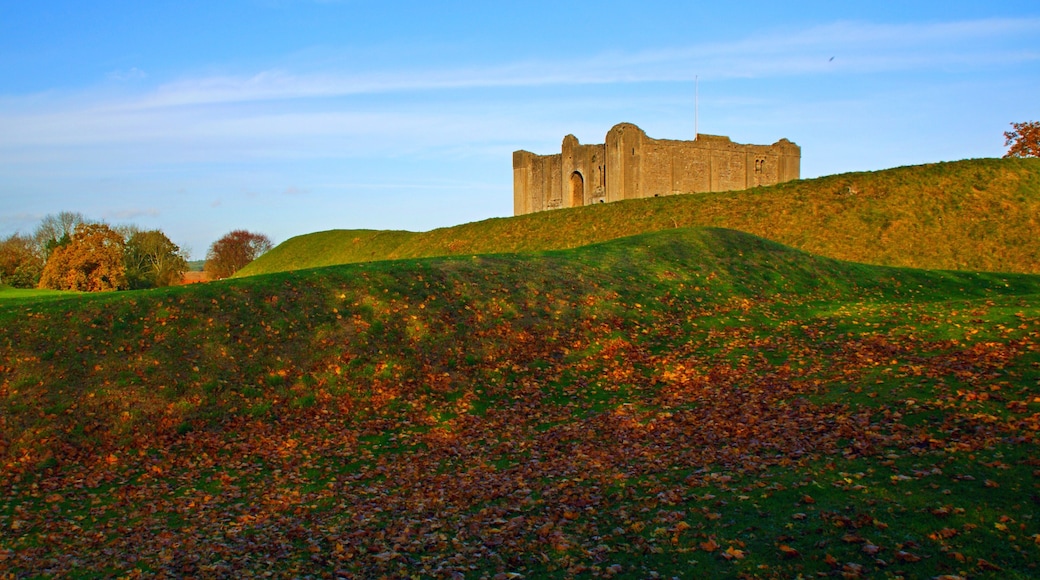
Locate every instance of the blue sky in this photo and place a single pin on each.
(293, 116)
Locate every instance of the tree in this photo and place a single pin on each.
(232, 252)
(1024, 141)
(20, 262)
(92, 261)
(56, 230)
(152, 260)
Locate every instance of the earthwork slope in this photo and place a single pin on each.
(980, 215)
(694, 399)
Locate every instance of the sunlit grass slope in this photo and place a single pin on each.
(23, 295)
(979, 215)
(689, 403)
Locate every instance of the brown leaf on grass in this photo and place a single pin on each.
(710, 546)
(852, 570)
(732, 553)
(984, 565)
(788, 552)
(908, 557)
(943, 534)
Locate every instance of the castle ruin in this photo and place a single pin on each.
(631, 165)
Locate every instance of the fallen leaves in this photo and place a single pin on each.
(477, 428)
(732, 553)
(943, 534)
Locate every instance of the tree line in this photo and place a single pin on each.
(68, 252)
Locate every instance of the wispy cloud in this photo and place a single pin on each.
(284, 113)
(129, 214)
(860, 47)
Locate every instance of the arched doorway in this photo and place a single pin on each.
(577, 190)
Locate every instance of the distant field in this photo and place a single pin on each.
(689, 403)
(9, 296)
(980, 215)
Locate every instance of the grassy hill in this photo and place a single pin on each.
(979, 215)
(691, 403)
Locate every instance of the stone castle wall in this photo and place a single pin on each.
(631, 165)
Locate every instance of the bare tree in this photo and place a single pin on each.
(56, 230)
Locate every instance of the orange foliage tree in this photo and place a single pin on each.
(232, 252)
(1024, 141)
(92, 261)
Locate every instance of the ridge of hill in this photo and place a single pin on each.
(628, 409)
(974, 215)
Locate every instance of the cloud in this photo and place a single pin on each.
(128, 214)
(292, 190)
(283, 114)
(863, 47)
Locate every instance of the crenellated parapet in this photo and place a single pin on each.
(631, 165)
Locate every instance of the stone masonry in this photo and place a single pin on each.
(631, 165)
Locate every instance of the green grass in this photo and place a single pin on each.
(650, 404)
(333, 248)
(974, 215)
(11, 296)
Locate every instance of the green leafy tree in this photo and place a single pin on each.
(1024, 140)
(152, 260)
(92, 261)
(20, 262)
(232, 252)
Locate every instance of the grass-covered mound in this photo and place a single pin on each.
(693, 403)
(968, 215)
